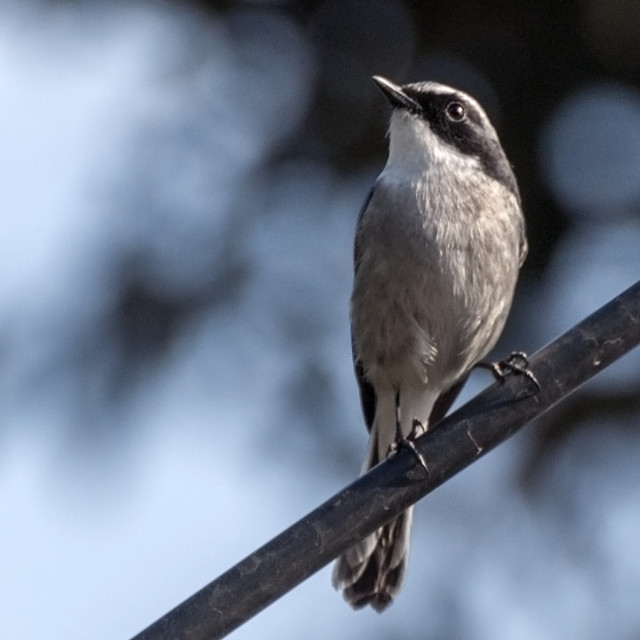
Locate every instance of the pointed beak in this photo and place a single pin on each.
(396, 95)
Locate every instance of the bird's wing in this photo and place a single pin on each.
(367, 394)
(445, 400)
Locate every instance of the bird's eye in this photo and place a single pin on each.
(456, 111)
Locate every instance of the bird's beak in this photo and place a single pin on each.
(396, 95)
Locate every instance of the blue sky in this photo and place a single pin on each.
(136, 135)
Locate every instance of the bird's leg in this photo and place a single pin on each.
(402, 441)
(399, 435)
(418, 429)
(516, 363)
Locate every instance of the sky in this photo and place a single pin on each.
(139, 141)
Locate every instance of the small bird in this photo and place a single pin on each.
(438, 246)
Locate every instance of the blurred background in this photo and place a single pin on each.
(180, 184)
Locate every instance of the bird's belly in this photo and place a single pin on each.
(415, 321)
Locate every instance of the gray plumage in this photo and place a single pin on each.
(438, 247)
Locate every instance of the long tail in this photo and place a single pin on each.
(372, 571)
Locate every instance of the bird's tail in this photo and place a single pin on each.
(372, 571)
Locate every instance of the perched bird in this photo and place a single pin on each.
(438, 246)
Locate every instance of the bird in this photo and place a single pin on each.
(439, 243)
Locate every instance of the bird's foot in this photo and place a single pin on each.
(516, 363)
(404, 442)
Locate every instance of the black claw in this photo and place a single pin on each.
(402, 442)
(516, 363)
(406, 443)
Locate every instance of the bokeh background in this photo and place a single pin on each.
(179, 187)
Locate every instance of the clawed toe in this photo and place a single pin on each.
(516, 363)
(402, 442)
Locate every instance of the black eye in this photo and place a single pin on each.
(456, 111)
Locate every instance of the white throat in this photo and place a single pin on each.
(414, 150)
